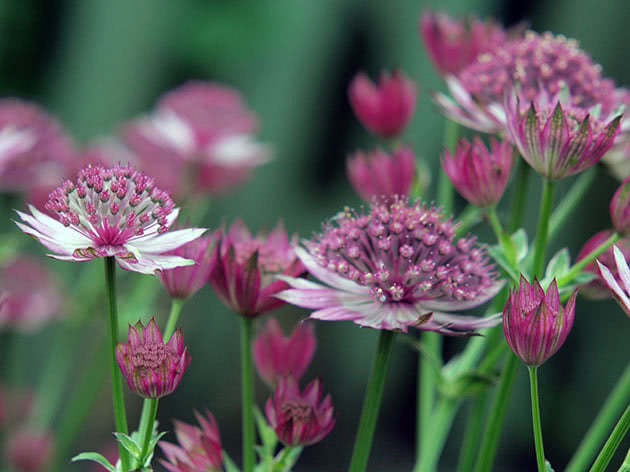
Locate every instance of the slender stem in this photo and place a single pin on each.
(497, 413)
(493, 219)
(176, 308)
(148, 432)
(441, 422)
(120, 416)
(543, 227)
(602, 424)
(611, 445)
(427, 380)
(473, 432)
(538, 439)
(578, 266)
(247, 393)
(372, 402)
(520, 192)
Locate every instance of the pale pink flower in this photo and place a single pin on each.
(618, 283)
(116, 212)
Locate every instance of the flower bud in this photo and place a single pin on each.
(620, 207)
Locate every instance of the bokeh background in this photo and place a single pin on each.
(95, 63)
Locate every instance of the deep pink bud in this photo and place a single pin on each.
(276, 356)
(620, 207)
(534, 323)
(199, 449)
(598, 289)
(183, 282)
(479, 174)
(299, 419)
(384, 109)
(151, 367)
(29, 451)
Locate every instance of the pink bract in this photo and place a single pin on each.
(277, 356)
(392, 267)
(111, 212)
(597, 288)
(299, 418)
(184, 282)
(619, 284)
(152, 367)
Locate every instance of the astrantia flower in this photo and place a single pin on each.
(244, 268)
(378, 173)
(277, 356)
(199, 449)
(453, 44)
(557, 140)
(29, 450)
(200, 138)
(384, 109)
(534, 323)
(479, 175)
(31, 297)
(116, 212)
(299, 418)
(538, 63)
(393, 267)
(597, 288)
(183, 282)
(152, 367)
(621, 291)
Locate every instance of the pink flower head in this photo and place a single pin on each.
(200, 138)
(597, 288)
(244, 268)
(152, 367)
(276, 356)
(538, 63)
(29, 450)
(479, 174)
(534, 323)
(299, 418)
(379, 173)
(184, 282)
(620, 207)
(116, 212)
(199, 449)
(621, 291)
(384, 109)
(453, 44)
(32, 146)
(393, 267)
(31, 297)
(556, 140)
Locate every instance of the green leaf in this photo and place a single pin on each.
(266, 433)
(499, 257)
(287, 458)
(94, 457)
(228, 463)
(519, 238)
(146, 460)
(558, 265)
(128, 443)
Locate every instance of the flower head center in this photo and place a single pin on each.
(300, 412)
(149, 356)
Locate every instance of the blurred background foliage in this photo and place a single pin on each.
(95, 63)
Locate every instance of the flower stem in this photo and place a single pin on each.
(148, 431)
(247, 393)
(520, 192)
(120, 417)
(372, 402)
(427, 379)
(440, 425)
(543, 227)
(176, 308)
(497, 413)
(473, 432)
(611, 445)
(538, 439)
(446, 194)
(600, 427)
(578, 266)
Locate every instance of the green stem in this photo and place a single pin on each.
(120, 417)
(497, 413)
(427, 378)
(578, 266)
(440, 422)
(543, 227)
(495, 224)
(538, 439)
(473, 432)
(520, 193)
(247, 393)
(446, 194)
(176, 308)
(372, 402)
(148, 432)
(602, 424)
(611, 445)
(625, 467)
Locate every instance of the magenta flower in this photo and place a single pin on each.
(199, 139)
(597, 288)
(299, 418)
(556, 140)
(379, 173)
(393, 267)
(534, 323)
(620, 207)
(151, 367)
(276, 356)
(117, 212)
(244, 268)
(184, 282)
(621, 291)
(453, 44)
(31, 297)
(479, 174)
(384, 109)
(29, 450)
(538, 63)
(199, 449)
